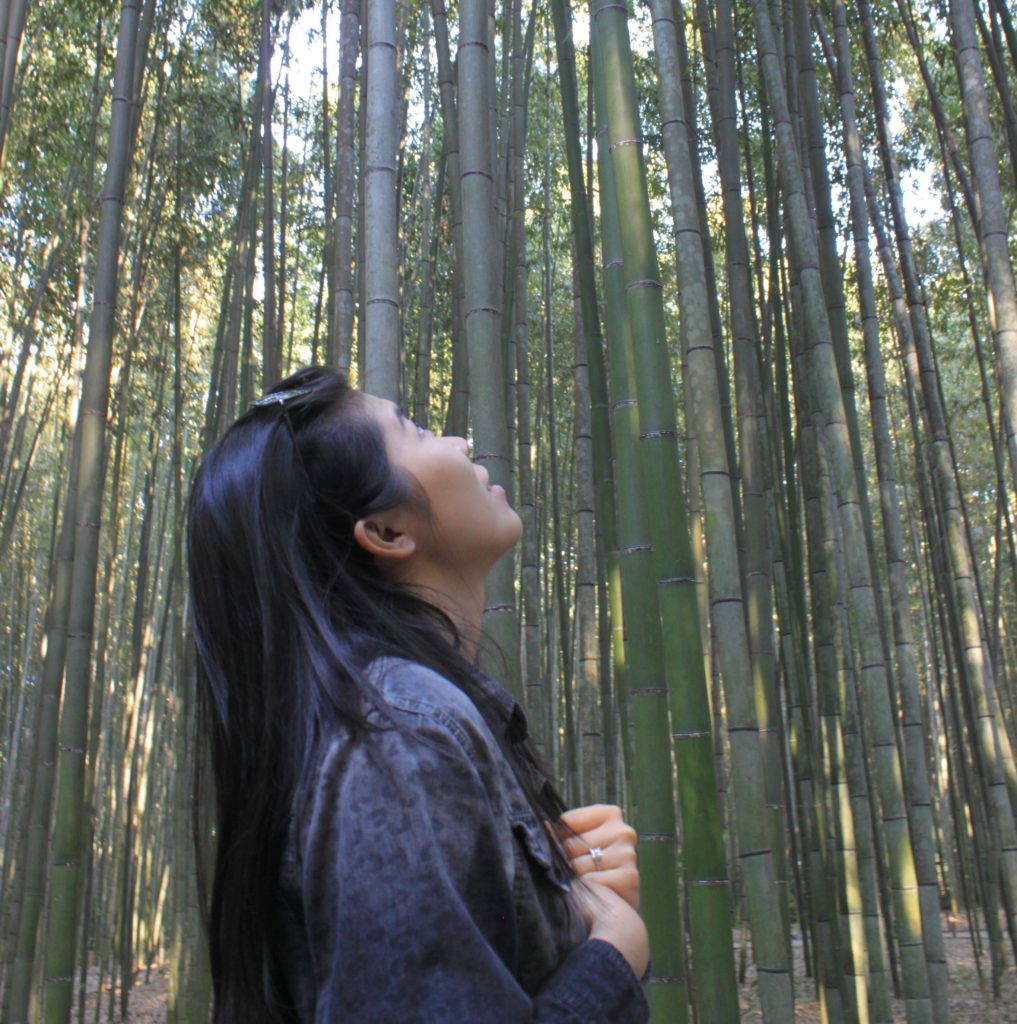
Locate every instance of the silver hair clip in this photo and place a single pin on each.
(280, 397)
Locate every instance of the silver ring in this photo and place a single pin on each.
(597, 855)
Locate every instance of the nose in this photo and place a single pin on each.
(461, 443)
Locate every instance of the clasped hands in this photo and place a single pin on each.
(600, 828)
(602, 849)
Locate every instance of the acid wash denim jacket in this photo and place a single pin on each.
(418, 885)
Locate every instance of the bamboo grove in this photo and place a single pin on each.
(723, 295)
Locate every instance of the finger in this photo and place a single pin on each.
(593, 859)
(581, 819)
(575, 846)
(609, 834)
(624, 881)
(621, 855)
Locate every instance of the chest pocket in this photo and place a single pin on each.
(536, 843)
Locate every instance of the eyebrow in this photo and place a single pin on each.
(398, 410)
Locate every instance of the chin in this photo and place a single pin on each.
(508, 535)
(517, 529)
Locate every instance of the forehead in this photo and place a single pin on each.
(381, 409)
(387, 415)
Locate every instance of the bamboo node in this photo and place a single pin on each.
(499, 608)
(667, 580)
(691, 734)
(610, 7)
(634, 548)
(622, 142)
(658, 433)
(704, 882)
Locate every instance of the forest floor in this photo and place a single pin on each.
(970, 1001)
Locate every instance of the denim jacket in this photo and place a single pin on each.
(418, 884)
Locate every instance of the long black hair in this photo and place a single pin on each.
(288, 611)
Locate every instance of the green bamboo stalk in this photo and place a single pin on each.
(340, 338)
(40, 787)
(537, 704)
(915, 339)
(913, 728)
(727, 611)
(834, 672)
(716, 994)
(642, 693)
(941, 531)
(589, 686)
(178, 700)
(459, 399)
(271, 367)
(428, 257)
(64, 887)
(481, 273)
(558, 571)
(752, 434)
(589, 361)
(12, 28)
(379, 354)
(824, 379)
(992, 220)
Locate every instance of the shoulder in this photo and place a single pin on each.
(425, 702)
(422, 725)
(423, 736)
(428, 748)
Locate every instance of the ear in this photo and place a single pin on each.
(380, 537)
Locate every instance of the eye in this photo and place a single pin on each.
(421, 431)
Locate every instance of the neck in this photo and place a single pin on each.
(461, 599)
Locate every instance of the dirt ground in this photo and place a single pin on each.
(970, 1003)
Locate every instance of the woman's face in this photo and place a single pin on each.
(467, 523)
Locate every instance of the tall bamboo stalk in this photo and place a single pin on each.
(824, 380)
(13, 14)
(642, 690)
(271, 367)
(380, 352)
(992, 221)
(915, 340)
(64, 882)
(482, 315)
(705, 869)
(727, 611)
(913, 726)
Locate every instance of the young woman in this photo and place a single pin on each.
(387, 848)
